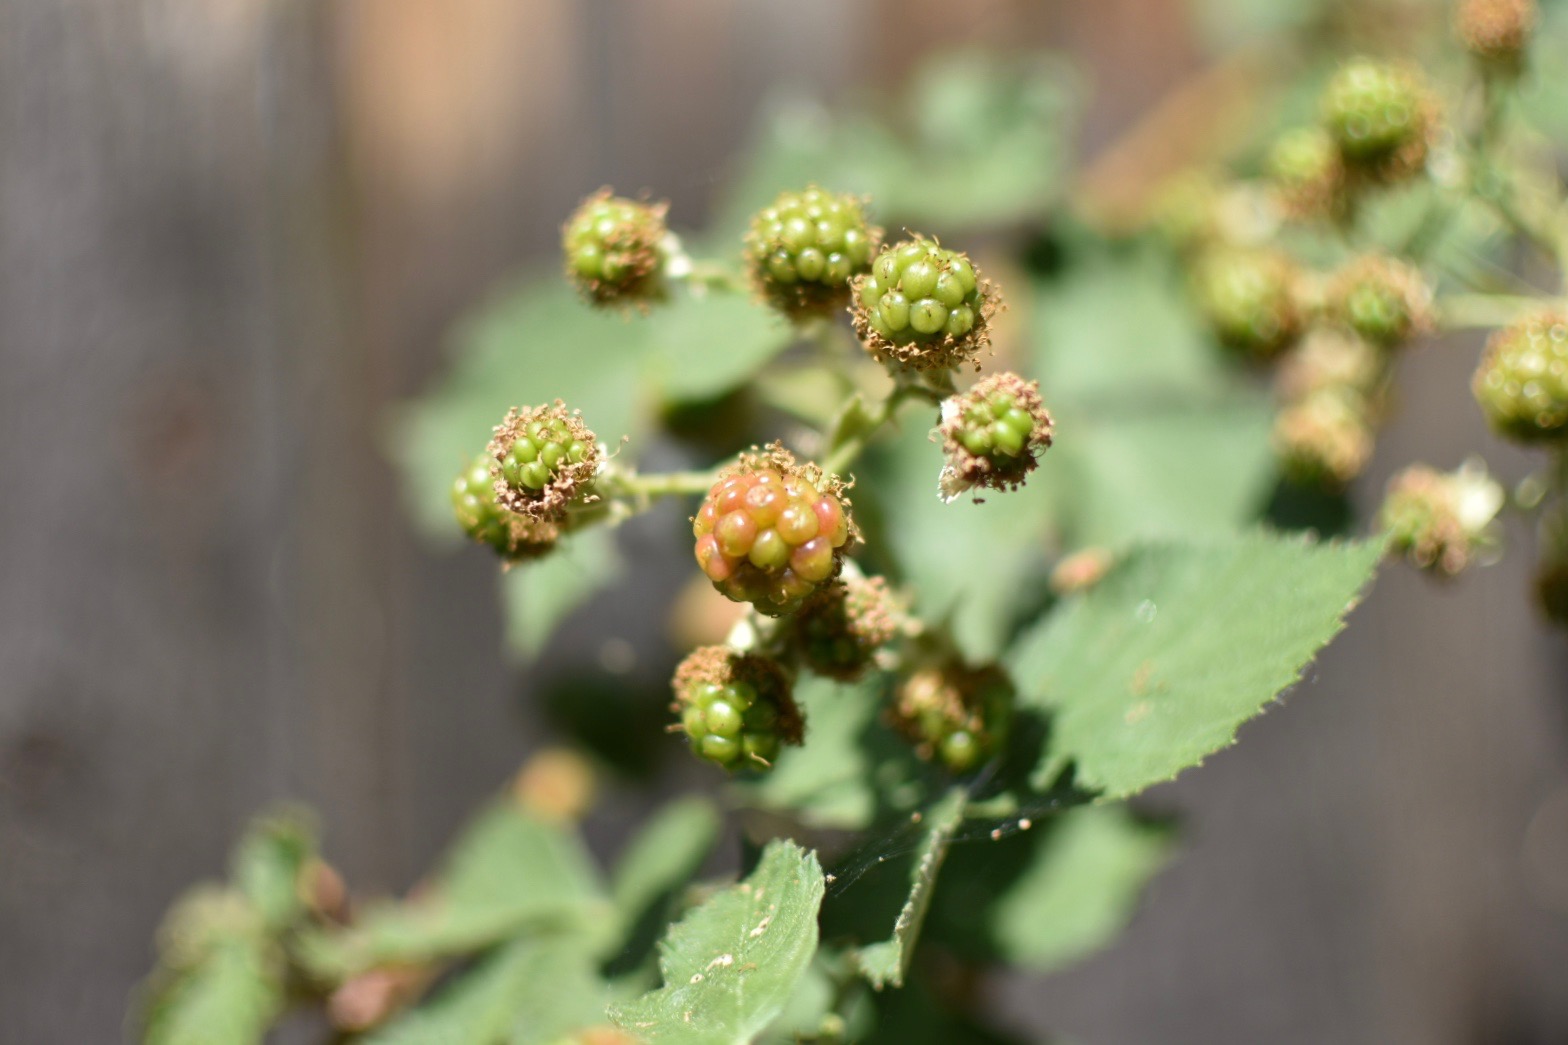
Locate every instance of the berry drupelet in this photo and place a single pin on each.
(772, 532)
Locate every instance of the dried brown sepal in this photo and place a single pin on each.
(840, 629)
(569, 481)
(528, 539)
(966, 469)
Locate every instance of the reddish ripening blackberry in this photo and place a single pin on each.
(772, 532)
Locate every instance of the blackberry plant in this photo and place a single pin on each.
(875, 672)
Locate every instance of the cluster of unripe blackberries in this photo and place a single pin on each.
(774, 532)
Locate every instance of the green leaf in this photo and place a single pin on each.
(508, 870)
(232, 995)
(539, 595)
(851, 766)
(530, 991)
(975, 566)
(664, 855)
(1154, 435)
(1048, 896)
(269, 860)
(732, 963)
(887, 961)
(1181, 469)
(1155, 667)
(702, 347)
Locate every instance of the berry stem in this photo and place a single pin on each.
(715, 275)
(844, 449)
(1467, 311)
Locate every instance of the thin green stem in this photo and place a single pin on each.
(1469, 311)
(716, 275)
(845, 448)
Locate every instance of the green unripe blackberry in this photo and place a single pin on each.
(1522, 383)
(1439, 520)
(1324, 440)
(771, 532)
(992, 434)
(1381, 117)
(1496, 31)
(840, 629)
(541, 460)
(614, 249)
(735, 708)
(956, 715)
(1382, 299)
(1248, 298)
(805, 247)
(1307, 174)
(513, 537)
(922, 306)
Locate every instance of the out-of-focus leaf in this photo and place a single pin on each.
(806, 1009)
(539, 595)
(1155, 667)
(655, 867)
(975, 566)
(1153, 436)
(531, 346)
(508, 870)
(1184, 469)
(269, 860)
(530, 991)
(986, 140)
(1048, 896)
(702, 347)
(232, 995)
(664, 855)
(851, 767)
(219, 974)
(886, 961)
(732, 963)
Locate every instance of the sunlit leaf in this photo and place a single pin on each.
(732, 963)
(1154, 668)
